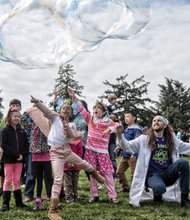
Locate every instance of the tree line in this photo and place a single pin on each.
(173, 99)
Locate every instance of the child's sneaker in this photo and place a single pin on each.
(114, 201)
(38, 204)
(99, 187)
(93, 199)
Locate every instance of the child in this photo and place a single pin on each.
(71, 174)
(99, 128)
(15, 148)
(112, 146)
(41, 164)
(112, 99)
(128, 159)
(58, 138)
(81, 126)
(14, 104)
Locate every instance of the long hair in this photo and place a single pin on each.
(8, 117)
(169, 137)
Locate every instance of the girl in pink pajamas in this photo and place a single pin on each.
(96, 153)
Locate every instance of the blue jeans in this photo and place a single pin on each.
(178, 170)
(112, 154)
(30, 178)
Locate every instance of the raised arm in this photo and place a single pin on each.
(133, 146)
(70, 133)
(71, 93)
(46, 111)
(84, 113)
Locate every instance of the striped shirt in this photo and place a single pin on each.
(96, 126)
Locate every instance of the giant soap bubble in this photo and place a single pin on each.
(41, 33)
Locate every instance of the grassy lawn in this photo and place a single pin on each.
(102, 210)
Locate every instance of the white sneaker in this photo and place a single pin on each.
(23, 186)
(100, 187)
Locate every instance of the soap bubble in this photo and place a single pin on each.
(41, 33)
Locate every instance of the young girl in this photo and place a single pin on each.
(41, 164)
(58, 138)
(14, 104)
(99, 128)
(15, 148)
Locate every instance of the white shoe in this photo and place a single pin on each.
(100, 187)
(23, 186)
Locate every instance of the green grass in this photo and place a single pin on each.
(103, 210)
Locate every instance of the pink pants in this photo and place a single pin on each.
(13, 173)
(102, 163)
(109, 184)
(60, 156)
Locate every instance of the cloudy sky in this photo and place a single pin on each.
(162, 50)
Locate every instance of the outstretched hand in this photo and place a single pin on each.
(34, 100)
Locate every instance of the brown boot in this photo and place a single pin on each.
(53, 213)
(97, 176)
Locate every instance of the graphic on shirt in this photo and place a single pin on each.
(161, 154)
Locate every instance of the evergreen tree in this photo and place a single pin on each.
(174, 103)
(66, 78)
(131, 96)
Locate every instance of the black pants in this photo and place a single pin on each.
(43, 170)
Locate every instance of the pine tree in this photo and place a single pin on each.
(131, 96)
(174, 103)
(66, 78)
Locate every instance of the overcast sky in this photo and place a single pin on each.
(162, 50)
